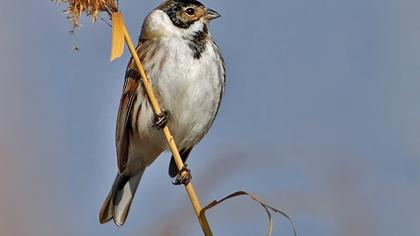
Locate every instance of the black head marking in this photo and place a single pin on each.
(175, 8)
(189, 2)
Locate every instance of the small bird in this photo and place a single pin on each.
(187, 72)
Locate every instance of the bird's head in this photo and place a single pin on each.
(178, 17)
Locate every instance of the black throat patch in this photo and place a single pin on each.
(198, 42)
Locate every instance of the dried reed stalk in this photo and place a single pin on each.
(93, 8)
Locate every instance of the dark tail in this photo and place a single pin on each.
(118, 202)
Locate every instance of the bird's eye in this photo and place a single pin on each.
(190, 11)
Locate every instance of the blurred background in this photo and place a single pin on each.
(320, 119)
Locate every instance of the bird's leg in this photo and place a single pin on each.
(160, 120)
(183, 176)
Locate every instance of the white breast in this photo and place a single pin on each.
(190, 90)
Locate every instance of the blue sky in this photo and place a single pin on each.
(320, 118)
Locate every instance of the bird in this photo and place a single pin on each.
(188, 75)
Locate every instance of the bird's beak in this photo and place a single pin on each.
(212, 14)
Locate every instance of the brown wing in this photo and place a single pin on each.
(129, 96)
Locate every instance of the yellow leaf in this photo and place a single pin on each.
(117, 36)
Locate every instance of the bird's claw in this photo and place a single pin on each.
(183, 177)
(160, 120)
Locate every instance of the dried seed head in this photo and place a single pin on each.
(92, 8)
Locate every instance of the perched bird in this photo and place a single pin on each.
(188, 75)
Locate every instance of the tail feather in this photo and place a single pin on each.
(117, 203)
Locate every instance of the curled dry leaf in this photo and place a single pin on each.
(266, 207)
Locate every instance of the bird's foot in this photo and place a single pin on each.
(183, 177)
(160, 120)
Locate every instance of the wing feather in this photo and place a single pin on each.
(128, 98)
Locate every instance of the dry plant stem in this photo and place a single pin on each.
(169, 138)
